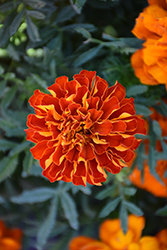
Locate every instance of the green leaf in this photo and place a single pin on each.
(69, 209)
(35, 3)
(16, 23)
(136, 90)
(2, 86)
(162, 211)
(77, 5)
(133, 208)
(10, 76)
(35, 195)
(157, 128)
(84, 32)
(164, 146)
(106, 192)
(1, 72)
(39, 80)
(2, 200)
(27, 162)
(6, 145)
(87, 56)
(123, 215)
(142, 110)
(8, 97)
(7, 6)
(47, 225)
(32, 30)
(109, 207)
(7, 167)
(36, 14)
(65, 14)
(129, 191)
(13, 132)
(19, 148)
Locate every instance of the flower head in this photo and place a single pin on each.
(10, 239)
(150, 62)
(83, 128)
(113, 238)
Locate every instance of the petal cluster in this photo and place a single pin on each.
(150, 62)
(113, 238)
(82, 128)
(10, 239)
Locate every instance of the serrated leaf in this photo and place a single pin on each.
(6, 145)
(84, 32)
(35, 3)
(157, 128)
(129, 190)
(32, 30)
(69, 209)
(162, 211)
(39, 80)
(109, 207)
(152, 159)
(87, 56)
(164, 146)
(34, 196)
(77, 5)
(27, 162)
(16, 23)
(47, 225)
(2, 86)
(87, 26)
(142, 110)
(86, 190)
(123, 215)
(136, 90)
(19, 148)
(133, 208)
(10, 76)
(1, 72)
(7, 167)
(36, 14)
(65, 14)
(13, 132)
(106, 192)
(7, 6)
(8, 97)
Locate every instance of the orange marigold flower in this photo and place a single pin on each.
(111, 232)
(150, 183)
(83, 127)
(150, 62)
(10, 239)
(162, 239)
(112, 236)
(86, 243)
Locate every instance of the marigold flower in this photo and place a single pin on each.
(111, 232)
(162, 239)
(10, 239)
(150, 183)
(150, 62)
(112, 236)
(83, 127)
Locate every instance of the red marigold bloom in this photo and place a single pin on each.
(83, 128)
(149, 62)
(10, 239)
